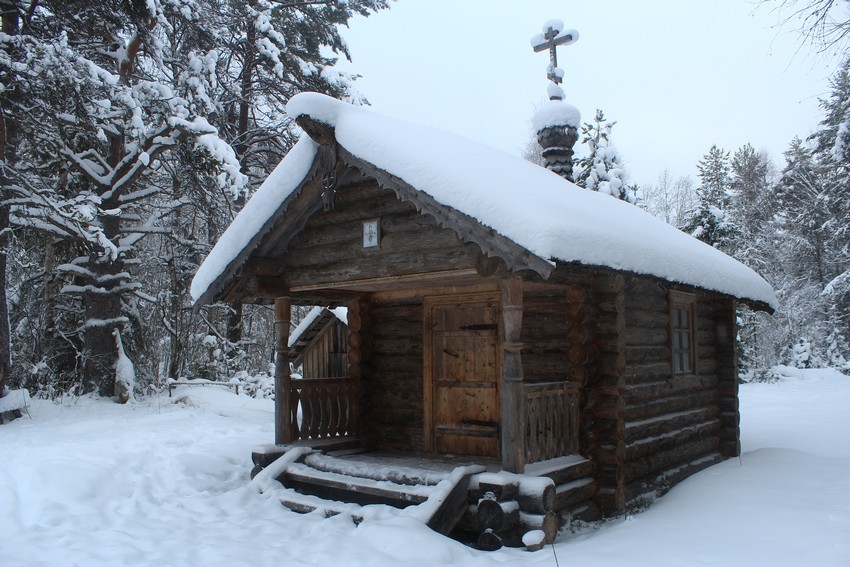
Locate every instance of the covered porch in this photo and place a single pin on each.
(448, 363)
(435, 385)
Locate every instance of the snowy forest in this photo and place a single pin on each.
(131, 134)
(790, 223)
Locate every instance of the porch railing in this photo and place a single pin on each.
(551, 415)
(326, 407)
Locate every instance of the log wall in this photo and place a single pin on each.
(392, 377)
(330, 248)
(544, 334)
(672, 423)
(606, 387)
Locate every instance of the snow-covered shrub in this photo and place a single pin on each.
(259, 385)
(836, 348)
(761, 375)
(804, 355)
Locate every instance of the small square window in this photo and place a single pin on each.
(682, 338)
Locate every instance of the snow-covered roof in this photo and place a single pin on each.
(315, 313)
(535, 208)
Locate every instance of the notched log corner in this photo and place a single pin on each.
(320, 132)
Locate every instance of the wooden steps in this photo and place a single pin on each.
(331, 485)
(495, 508)
(575, 486)
(349, 488)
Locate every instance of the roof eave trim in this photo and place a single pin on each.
(218, 285)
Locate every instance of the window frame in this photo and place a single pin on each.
(683, 302)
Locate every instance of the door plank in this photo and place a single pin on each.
(462, 362)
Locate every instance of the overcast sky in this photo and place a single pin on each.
(676, 75)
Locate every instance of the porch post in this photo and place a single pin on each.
(358, 351)
(283, 431)
(513, 389)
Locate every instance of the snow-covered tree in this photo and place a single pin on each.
(800, 235)
(711, 220)
(669, 199)
(145, 125)
(602, 169)
(832, 150)
(268, 51)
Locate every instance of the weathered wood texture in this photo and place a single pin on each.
(725, 356)
(605, 392)
(562, 347)
(328, 407)
(552, 420)
(675, 424)
(326, 356)
(461, 372)
(285, 422)
(544, 334)
(469, 230)
(329, 249)
(391, 368)
(513, 392)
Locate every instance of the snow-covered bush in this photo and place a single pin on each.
(259, 385)
(761, 375)
(803, 355)
(836, 348)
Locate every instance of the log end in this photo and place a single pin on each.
(534, 540)
(489, 541)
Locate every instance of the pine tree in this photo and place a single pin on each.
(812, 250)
(711, 220)
(602, 169)
(271, 51)
(832, 150)
(802, 213)
(751, 210)
(128, 171)
(100, 113)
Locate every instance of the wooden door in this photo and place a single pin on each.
(463, 389)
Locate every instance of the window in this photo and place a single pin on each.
(682, 332)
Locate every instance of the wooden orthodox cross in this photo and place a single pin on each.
(553, 41)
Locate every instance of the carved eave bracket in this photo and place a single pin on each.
(322, 133)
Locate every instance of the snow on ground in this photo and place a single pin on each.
(91, 483)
